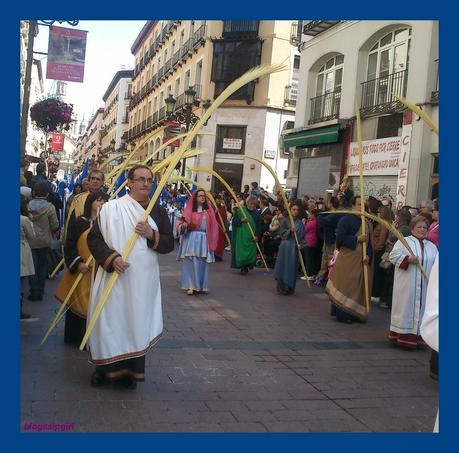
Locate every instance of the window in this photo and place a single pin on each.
(330, 76)
(231, 60)
(231, 139)
(389, 126)
(197, 78)
(177, 88)
(296, 62)
(182, 38)
(387, 69)
(155, 104)
(389, 54)
(187, 80)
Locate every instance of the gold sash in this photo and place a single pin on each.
(79, 300)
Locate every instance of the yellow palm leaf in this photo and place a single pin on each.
(284, 198)
(416, 109)
(230, 190)
(232, 88)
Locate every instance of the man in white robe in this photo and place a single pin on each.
(409, 295)
(131, 322)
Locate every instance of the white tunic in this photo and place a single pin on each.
(131, 321)
(410, 286)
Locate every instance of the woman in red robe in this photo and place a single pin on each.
(221, 233)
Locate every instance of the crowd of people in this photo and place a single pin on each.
(256, 229)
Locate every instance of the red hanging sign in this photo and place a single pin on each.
(57, 143)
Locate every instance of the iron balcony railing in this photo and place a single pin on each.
(199, 35)
(186, 48)
(290, 94)
(175, 58)
(378, 95)
(167, 66)
(325, 107)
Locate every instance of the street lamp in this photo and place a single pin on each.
(112, 145)
(170, 104)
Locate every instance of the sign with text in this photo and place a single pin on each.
(403, 166)
(232, 143)
(270, 154)
(57, 142)
(379, 157)
(66, 54)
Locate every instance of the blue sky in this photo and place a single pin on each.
(108, 47)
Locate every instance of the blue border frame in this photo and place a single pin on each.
(229, 442)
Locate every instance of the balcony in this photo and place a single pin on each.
(290, 94)
(199, 35)
(175, 58)
(240, 28)
(295, 33)
(167, 66)
(186, 48)
(378, 94)
(325, 107)
(315, 27)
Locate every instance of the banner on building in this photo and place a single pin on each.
(172, 129)
(66, 54)
(379, 157)
(403, 165)
(57, 142)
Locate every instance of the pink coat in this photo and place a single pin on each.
(311, 233)
(432, 235)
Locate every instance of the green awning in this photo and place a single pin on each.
(312, 137)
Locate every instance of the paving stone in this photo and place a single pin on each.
(240, 359)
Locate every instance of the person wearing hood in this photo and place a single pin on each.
(46, 225)
(199, 229)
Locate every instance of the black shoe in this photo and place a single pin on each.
(129, 383)
(97, 379)
(24, 316)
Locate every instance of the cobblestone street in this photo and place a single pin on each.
(240, 359)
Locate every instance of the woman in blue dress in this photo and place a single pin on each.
(286, 268)
(198, 241)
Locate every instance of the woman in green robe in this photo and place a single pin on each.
(244, 248)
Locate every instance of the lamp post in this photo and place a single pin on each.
(184, 116)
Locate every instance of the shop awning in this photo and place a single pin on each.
(312, 137)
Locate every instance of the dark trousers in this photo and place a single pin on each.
(312, 260)
(388, 287)
(41, 263)
(378, 275)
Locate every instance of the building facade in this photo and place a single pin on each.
(173, 56)
(115, 116)
(94, 133)
(368, 63)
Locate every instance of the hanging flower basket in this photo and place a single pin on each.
(52, 114)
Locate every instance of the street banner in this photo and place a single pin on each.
(172, 129)
(402, 180)
(66, 54)
(380, 157)
(57, 142)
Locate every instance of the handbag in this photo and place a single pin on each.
(385, 262)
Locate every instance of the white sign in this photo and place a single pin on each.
(403, 166)
(379, 157)
(232, 143)
(270, 154)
